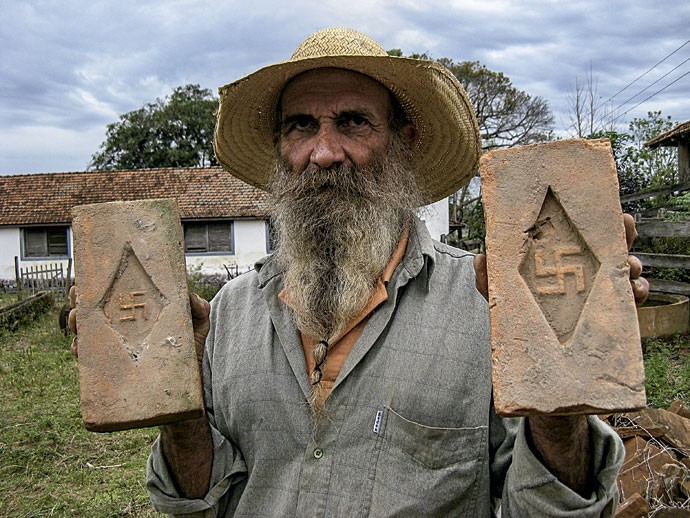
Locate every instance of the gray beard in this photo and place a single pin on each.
(336, 230)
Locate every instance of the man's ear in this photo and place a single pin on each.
(409, 134)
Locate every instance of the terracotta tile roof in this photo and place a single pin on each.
(200, 192)
(671, 137)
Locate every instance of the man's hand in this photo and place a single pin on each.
(562, 443)
(640, 286)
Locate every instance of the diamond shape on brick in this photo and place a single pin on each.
(132, 304)
(558, 267)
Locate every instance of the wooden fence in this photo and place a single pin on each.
(44, 277)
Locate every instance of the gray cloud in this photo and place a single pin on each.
(71, 68)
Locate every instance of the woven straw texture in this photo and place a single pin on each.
(448, 146)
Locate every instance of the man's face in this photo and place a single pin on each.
(333, 117)
(342, 195)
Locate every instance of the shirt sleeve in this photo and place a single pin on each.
(227, 470)
(531, 490)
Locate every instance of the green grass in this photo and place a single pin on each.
(667, 370)
(49, 464)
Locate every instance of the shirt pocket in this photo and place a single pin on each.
(427, 471)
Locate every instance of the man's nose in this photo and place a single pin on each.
(328, 148)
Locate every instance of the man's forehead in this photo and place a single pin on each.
(329, 84)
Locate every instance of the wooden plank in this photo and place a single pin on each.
(663, 260)
(664, 286)
(654, 228)
(680, 187)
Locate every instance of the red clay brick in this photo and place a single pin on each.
(564, 332)
(137, 364)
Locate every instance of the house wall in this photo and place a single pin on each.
(436, 218)
(9, 247)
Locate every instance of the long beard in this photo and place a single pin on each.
(336, 230)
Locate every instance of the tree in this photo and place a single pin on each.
(640, 167)
(176, 131)
(507, 116)
(587, 115)
(658, 166)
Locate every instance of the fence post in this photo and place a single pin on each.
(18, 277)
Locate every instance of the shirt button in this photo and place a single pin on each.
(318, 453)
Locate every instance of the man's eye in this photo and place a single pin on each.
(300, 124)
(356, 121)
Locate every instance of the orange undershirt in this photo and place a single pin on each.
(339, 350)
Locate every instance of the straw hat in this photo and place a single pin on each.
(448, 147)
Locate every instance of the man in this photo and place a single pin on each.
(350, 374)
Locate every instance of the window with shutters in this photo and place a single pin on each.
(203, 237)
(45, 242)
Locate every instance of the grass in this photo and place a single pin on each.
(667, 370)
(51, 466)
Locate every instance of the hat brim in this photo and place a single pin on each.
(448, 146)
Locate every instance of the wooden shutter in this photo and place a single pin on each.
(35, 244)
(219, 238)
(195, 237)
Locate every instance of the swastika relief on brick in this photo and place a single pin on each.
(558, 267)
(132, 304)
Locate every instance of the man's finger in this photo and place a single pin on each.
(630, 230)
(640, 288)
(200, 307)
(74, 348)
(481, 276)
(72, 321)
(635, 267)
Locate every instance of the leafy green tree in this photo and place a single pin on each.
(176, 131)
(640, 167)
(659, 167)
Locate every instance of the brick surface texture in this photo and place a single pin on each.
(564, 332)
(137, 364)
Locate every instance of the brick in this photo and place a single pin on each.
(564, 332)
(137, 363)
(633, 507)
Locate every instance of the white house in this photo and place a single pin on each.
(225, 221)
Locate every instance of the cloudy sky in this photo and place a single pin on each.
(70, 67)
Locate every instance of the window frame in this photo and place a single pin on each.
(207, 249)
(64, 248)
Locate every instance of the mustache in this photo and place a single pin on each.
(338, 180)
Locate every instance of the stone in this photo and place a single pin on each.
(137, 362)
(644, 461)
(676, 428)
(564, 332)
(672, 512)
(634, 506)
(680, 408)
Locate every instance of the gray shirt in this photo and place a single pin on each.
(409, 427)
